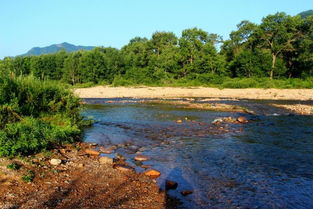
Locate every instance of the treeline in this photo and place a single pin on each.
(280, 47)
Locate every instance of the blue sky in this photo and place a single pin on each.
(28, 23)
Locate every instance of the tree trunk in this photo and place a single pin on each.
(274, 56)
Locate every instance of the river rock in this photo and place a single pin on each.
(141, 158)
(145, 166)
(242, 119)
(120, 157)
(105, 160)
(152, 173)
(106, 150)
(217, 120)
(179, 121)
(170, 185)
(186, 192)
(123, 168)
(92, 152)
(55, 162)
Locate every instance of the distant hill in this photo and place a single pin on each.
(55, 48)
(306, 13)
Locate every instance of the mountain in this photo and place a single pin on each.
(55, 48)
(306, 13)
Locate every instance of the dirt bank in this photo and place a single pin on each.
(80, 181)
(171, 92)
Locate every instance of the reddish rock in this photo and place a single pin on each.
(242, 119)
(141, 158)
(170, 185)
(152, 173)
(186, 192)
(106, 150)
(92, 152)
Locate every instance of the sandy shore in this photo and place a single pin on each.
(172, 92)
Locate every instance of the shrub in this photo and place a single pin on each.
(36, 115)
(29, 176)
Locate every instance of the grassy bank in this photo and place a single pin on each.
(36, 115)
(216, 82)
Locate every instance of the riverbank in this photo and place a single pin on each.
(298, 96)
(72, 177)
(172, 92)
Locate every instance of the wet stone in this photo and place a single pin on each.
(105, 150)
(152, 173)
(242, 119)
(170, 185)
(186, 192)
(141, 158)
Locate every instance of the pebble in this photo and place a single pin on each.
(106, 150)
(242, 119)
(179, 121)
(152, 173)
(55, 162)
(141, 158)
(92, 152)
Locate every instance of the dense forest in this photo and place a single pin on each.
(279, 48)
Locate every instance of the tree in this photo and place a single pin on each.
(162, 40)
(239, 41)
(277, 33)
(197, 52)
(71, 68)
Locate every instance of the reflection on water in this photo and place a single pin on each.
(266, 163)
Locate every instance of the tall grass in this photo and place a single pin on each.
(36, 115)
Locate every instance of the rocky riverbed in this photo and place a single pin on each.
(75, 176)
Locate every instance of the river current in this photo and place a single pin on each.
(266, 163)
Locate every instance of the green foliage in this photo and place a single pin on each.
(14, 166)
(280, 47)
(36, 115)
(34, 135)
(29, 176)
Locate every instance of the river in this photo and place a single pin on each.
(266, 163)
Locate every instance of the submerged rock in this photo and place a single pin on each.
(152, 173)
(55, 162)
(170, 185)
(186, 192)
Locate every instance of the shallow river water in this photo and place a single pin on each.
(266, 163)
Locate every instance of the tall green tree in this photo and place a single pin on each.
(277, 33)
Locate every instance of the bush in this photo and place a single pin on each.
(36, 115)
